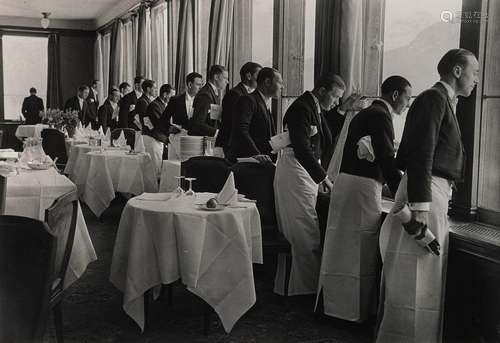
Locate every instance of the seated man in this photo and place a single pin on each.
(108, 112)
(206, 105)
(156, 126)
(253, 124)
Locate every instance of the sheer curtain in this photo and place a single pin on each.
(185, 43)
(99, 63)
(106, 44)
(129, 52)
(144, 42)
(220, 32)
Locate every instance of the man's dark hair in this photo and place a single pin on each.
(166, 88)
(191, 76)
(394, 83)
(266, 73)
(32, 90)
(123, 85)
(330, 81)
(249, 67)
(216, 69)
(94, 82)
(82, 88)
(113, 89)
(147, 84)
(138, 79)
(451, 59)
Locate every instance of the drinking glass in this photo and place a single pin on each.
(179, 191)
(190, 191)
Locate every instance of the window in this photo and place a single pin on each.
(309, 37)
(415, 38)
(262, 32)
(24, 66)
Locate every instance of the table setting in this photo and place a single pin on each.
(208, 241)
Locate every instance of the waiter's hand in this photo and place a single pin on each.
(327, 184)
(421, 216)
(263, 158)
(352, 103)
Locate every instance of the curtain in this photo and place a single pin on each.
(54, 91)
(348, 35)
(99, 71)
(149, 74)
(144, 42)
(241, 42)
(121, 53)
(171, 20)
(129, 52)
(220, 32)
(114, 58)
(106, 45)
(159, 44)
(185, 43)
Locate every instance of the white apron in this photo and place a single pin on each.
(348, 277)
(413, 280)
(295, 198)
(155, 150)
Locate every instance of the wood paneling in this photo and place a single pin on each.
(492, 67)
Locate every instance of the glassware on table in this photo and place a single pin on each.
(179, 191)
(190, 191)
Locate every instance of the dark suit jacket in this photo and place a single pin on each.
(105, 115)
(308, 150)
(141, 108)
(126, 118)
(32, 105)
(253, 127)
(73, 104)
(92, 105)
(335, 122)
(201, 124)
(431, 143)
(229, 111)
(376, 122)
(155, 112)
(176, 109)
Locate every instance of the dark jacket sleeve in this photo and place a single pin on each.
(201, 107)
(124, 111)
(228, 107)
(41, 105)
(382, 137)
(426, 116)
(299, 126)
(24, 109)
(246, 109)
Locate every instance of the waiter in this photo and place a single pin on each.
(349, 271)
(432, 155)
(298, 175)
(32, 105)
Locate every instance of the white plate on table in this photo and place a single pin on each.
(40, 165)
(205, 208)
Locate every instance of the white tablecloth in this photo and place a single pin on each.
(159, 242)
(99, 175)
(24, 131)
(31, 193)
(169, 170)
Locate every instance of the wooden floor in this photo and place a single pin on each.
(93, 313)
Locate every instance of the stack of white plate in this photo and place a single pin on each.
(191, 146)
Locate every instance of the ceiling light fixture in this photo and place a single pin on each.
(45, 20)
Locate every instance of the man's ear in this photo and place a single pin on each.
(395, 95)
(457, 71)
(248, 76)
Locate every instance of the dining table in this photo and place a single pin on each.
(165, 237)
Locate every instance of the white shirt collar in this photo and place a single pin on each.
(391, 110)
(249, 89)
(214, 88)
(267, 101)
(138, 94)
(113, 104)
(449, 90)
(189, 98)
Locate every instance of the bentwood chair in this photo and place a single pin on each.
(61, 218)
(27, 255)
(210, 172)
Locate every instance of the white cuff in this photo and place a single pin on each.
(420, 206)
(339, 111)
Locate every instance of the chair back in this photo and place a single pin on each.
(127, 132)
(3, 193)
(255, 181)
(54, 145)
(61, 218)
(210, 172)
(27, 252)
(1, 138)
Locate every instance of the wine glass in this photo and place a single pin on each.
(190, 191)
(179, 191)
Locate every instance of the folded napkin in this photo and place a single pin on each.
(79, 125)
(229, 194)
(89, 127)
(365, 149)
(280, 141)
(154, 196)
(121, 141)
(101, 132)
(139, 142)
